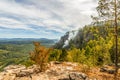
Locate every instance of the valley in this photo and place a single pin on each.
(16, 51)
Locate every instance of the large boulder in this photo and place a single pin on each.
(107, 69)
(78, 76)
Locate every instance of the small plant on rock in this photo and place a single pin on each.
(40, 56)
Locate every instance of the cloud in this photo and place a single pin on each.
(46, 17)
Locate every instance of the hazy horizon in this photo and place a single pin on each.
(29, 38)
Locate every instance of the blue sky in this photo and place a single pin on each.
(43, 18)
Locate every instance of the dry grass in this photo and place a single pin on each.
(92, 72)
(95, 74)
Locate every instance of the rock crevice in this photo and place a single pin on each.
(59, 71)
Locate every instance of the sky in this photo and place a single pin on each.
(43, 18)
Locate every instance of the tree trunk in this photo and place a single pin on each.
(116, 42)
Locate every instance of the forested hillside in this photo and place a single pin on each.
(93, 44)
(97, 43)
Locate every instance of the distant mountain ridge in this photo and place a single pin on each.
(26, 40)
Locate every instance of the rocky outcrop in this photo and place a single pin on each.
(80, 37)
(55, 71)
(76, 38)
(77, 76)
(61, 42)
(66, 40)
(107, 69)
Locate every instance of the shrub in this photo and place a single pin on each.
(55, 55)
(40, 55)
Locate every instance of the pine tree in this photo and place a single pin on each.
(110, 10)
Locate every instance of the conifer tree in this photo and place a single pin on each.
(110, 10)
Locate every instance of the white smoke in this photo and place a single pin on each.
(71, 36)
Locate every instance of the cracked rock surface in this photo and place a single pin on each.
(59, 71)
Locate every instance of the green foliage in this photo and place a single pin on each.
(55, 55)
(28, 63)
(76, 55)
(94, 46)
(15, 53)
(63, 55)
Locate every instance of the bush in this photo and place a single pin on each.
(55, 55)
(40, 55)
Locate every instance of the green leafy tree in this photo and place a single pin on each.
(55, 55)
(110, 10)
(63, 55)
